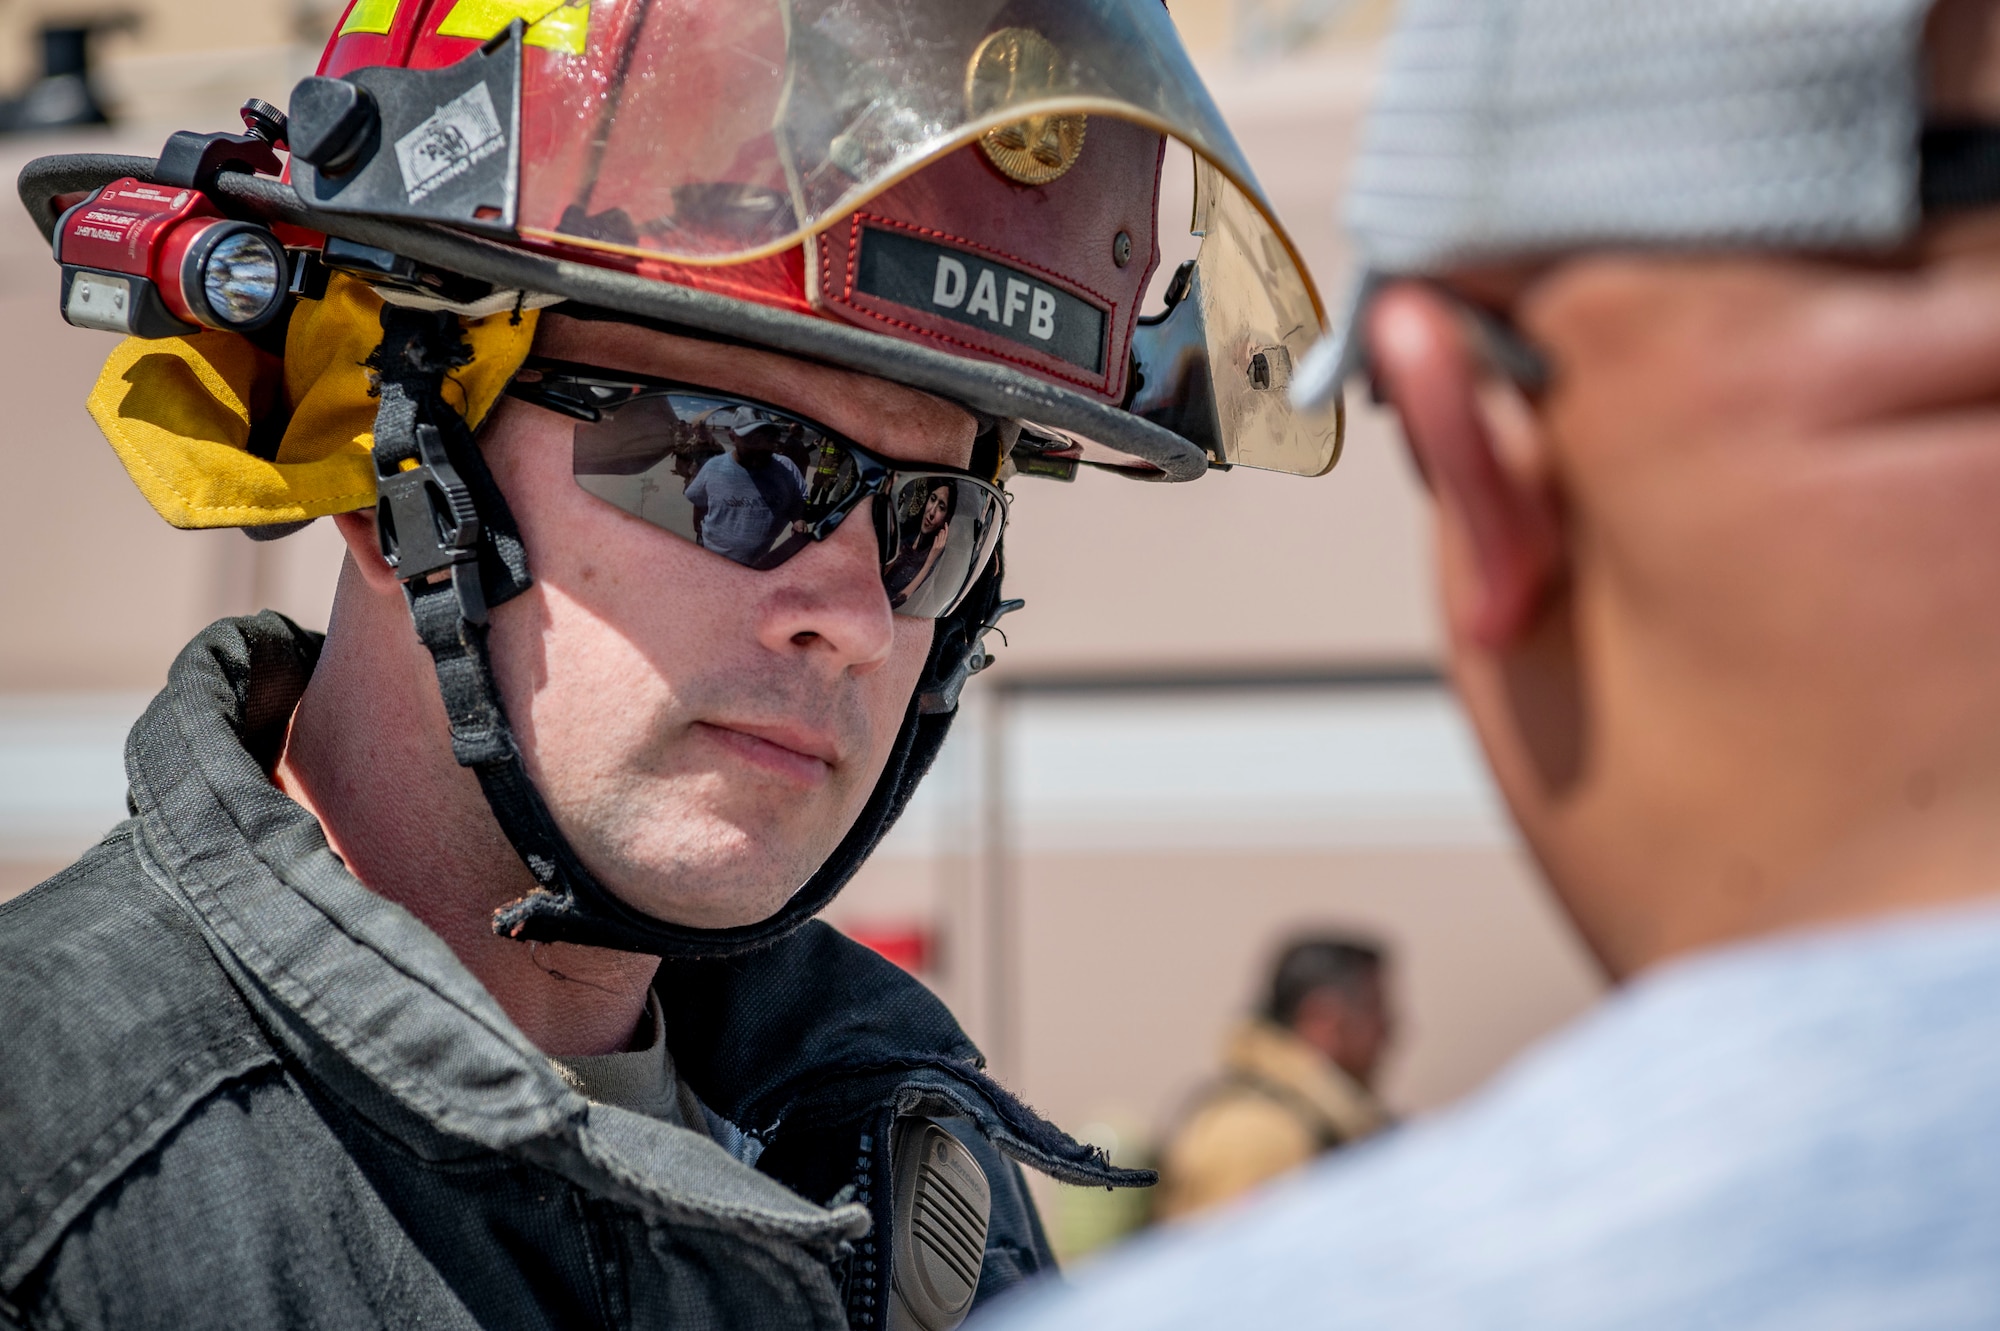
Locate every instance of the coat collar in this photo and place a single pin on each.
(357, 976)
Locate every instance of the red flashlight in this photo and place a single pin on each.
(161, 261)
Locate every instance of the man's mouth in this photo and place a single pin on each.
(796, 753)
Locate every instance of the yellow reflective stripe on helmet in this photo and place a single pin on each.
(551, 23)
(483, 19)
(566, 30)
(376, 16)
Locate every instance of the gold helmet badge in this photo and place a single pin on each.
(1017, 65)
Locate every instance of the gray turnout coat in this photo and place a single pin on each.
(238, 1089)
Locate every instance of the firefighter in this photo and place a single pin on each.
(1297, 1080)
(459, 966)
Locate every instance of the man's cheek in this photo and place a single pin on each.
(894, 685)
(906, 661)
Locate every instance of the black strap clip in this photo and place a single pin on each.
(426, 521)
(944, 697)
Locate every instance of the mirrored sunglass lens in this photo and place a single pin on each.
(941, 531)
(756, 487)
(737, 480)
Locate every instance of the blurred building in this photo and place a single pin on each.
(161, 60)
(1218, 720)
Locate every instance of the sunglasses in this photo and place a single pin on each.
(1504, 348)
(757, 485)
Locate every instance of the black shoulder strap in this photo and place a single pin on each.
(1322, 1129)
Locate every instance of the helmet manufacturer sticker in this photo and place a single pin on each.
(458, 136)
(992, 297)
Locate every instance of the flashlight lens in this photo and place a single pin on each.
(241, 279)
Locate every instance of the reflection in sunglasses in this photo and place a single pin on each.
(924, 511)
(744, 499)
(758, 485)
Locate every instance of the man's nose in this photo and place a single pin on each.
(828, 600)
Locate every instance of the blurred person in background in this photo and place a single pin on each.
(1691, 315)
(459, 966)
(1297, 1081)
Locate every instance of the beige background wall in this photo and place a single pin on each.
(1103, 973)
(1463, 923)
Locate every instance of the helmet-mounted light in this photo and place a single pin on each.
(159, 261)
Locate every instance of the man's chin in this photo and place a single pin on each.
(695, 896)
(722, 910)
(713, 871)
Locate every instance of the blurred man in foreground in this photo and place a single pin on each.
(1297, 1079)
(1692, 318)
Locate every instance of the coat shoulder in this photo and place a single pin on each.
(118, 1021)
(1235, 1140)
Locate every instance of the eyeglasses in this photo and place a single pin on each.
(1505, 349)
(757, 485)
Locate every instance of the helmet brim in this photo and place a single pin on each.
(1108, 435)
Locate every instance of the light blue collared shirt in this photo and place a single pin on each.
(1801, 1133)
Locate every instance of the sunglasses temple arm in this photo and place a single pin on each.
(542, 394)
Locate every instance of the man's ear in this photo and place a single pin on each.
(358, 530)
(1417, 344)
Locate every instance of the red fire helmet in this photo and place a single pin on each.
(961, 195)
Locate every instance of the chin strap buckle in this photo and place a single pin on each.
(436, 508)
(426, 521)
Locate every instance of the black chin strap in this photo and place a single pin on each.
(447, 531)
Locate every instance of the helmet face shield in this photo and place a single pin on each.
(708, 134)
(701, 132)
(1216, 366)
(981, 176)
